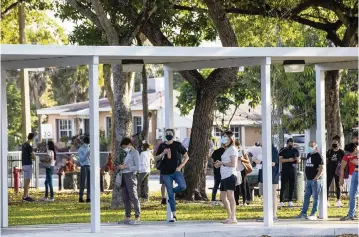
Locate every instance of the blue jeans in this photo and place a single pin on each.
(352, 194)
(312, 188)
(48, 182)
(181, 185)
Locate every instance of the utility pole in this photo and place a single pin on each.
(24, 79)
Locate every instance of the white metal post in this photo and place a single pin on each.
(4, 151)
(320, 107)
(266, 143)
(243, 136)
(168, 99)
(169, 122)
(94, 146)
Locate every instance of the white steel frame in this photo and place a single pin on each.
(177, 58)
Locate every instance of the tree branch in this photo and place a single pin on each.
(106, 24)
(85, 11)
(230, 120)
(145, 13)
(10, 8)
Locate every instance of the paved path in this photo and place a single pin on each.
(190, 229)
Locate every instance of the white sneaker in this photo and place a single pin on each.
(312, 218)
(214, 203)
(281, 204)
(50, 200)
(44, 200)
(290, 204)
(339, 204)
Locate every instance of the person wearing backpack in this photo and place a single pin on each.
(334, 158)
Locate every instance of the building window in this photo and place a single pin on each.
(108, 126)
(236, 131)
(217, 132)
(65, 128)
(137, 124)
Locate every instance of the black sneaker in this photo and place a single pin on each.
(81, 200)
(163, 202)
(174, 219)
(347, 218)
(28, 199)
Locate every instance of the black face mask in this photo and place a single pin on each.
(334, 145)
(169, 137)
(290, 146)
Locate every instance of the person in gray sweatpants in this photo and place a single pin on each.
(84, 157)
(128, 170)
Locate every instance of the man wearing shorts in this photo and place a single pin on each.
(27, 155)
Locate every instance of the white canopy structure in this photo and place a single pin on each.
(173, 59)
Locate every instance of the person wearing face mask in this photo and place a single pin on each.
(144, 172)
(334, 157)
(128, 170)
(313, 172)
(351, 160)
(84, 158)
(289, 157)
(171, 153)
(228, 165)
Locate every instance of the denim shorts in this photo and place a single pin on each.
(27, 171)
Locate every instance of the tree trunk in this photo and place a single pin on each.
(195, 170)
(333, 119)
(122, 118)
(109, 96)
(145, 104)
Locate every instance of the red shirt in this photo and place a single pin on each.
(348, 158)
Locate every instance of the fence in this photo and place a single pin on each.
(14, 160)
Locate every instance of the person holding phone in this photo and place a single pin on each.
(171, 153)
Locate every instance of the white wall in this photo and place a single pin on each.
(156, 84)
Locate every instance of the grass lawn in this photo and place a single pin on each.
(66, 209)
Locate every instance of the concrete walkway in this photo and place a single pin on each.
(190, 229)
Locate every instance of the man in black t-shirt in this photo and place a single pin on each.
(289, 157)
(27, 155)
(216, 156)
(334, 157)
(171, 153)
(313, 172)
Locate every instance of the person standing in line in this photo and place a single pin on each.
(351, 159)
(348, 167)
(144, 172)
(289, 157)
(128, 171)
(228, 165)
(334, 158)
(171, 153)
(216, 156)
(275, 180)
(313, 172)
(51, 156)
(243, 188)
(27, 156)
(84, 158)
(163, 187)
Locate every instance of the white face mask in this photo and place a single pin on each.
(127, 149)
(224, 140)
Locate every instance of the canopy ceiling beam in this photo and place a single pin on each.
(219, 63)
(337, 66)
(46, 62)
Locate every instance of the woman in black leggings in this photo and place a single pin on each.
(243, 188)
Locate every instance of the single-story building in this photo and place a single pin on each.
(73, 119)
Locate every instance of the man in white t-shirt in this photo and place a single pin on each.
(144, 172)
